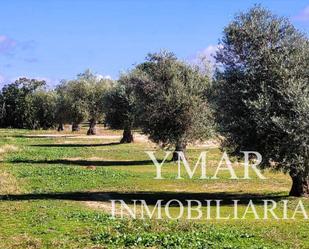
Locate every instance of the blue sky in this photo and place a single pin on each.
(56, 40)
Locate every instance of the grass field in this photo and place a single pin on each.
(56, 193)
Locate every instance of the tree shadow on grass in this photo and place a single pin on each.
(75, 145)
(150, 197)
(84, 162)
(42, 136)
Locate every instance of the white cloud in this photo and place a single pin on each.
(210, 51)
(303, 15)
(207, 54)
(205, 60)
(100, 76)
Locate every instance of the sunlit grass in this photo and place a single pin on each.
(58, 172)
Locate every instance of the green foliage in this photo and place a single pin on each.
(195, 238)
(44, 106)
(173, 103)
(82, 98)
(121, 104)
(77, 91)
(26, 104)
(97, 89)
(262, 93)
(62, 111)
(19, 102)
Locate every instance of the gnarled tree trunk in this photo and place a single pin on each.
(300, 185)
(60, 127)
(180, 147)
(127, 136)
(92, 127)
(75, 126)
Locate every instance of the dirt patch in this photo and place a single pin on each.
(97, 137)
(8, 148)
(26, 241)
(106, 207)
(84, 158)
(8, 184)
(103, 206)
(211, 143)
(72, 136)
(139, 138)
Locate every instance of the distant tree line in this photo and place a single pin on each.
(257, 98)
(27, 103)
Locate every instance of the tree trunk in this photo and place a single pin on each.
(180, 147)
(127, 136)
(92, 127)
(60, 127)
(75, 127)
(300, 185)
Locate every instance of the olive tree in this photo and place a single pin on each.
(82, 99)
(173, 107)
(62, 110)
(262, 92)
(76, 94)
(17, 103)
(121, 106)
(43, 106)
(97, 89)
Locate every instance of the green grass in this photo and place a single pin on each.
(54, 196)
